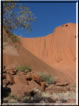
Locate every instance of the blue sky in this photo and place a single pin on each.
(49, 16)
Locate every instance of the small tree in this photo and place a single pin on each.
(16, 15)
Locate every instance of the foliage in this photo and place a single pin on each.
(16, 15)
(47, 78)
(24, 68)
(10, 99)
(13, 37)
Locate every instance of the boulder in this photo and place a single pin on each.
(13, 72)
(5, 83)
(22, 83)
(28, 76)
(62, 84)
(36, 78)
(9, 78)
(22, 86)
(43, 85)
(4, 76)
(55, 89)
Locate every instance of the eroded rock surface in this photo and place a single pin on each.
(29, 87)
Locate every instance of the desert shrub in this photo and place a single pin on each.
(47, 78)
(15, 38)
(11, 99)
(24, 68)
(36, 97)
(32, 97)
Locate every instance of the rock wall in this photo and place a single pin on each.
(58, 47)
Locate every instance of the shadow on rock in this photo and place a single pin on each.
(6, 91)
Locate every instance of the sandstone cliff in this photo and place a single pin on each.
(54, 54)
(58, 47)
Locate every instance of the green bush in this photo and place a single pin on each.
(23, 68)
(47, 78)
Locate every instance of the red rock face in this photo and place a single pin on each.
(58, 49)
(54, 54)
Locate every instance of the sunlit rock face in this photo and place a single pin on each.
(53, 54)
(58, 47)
